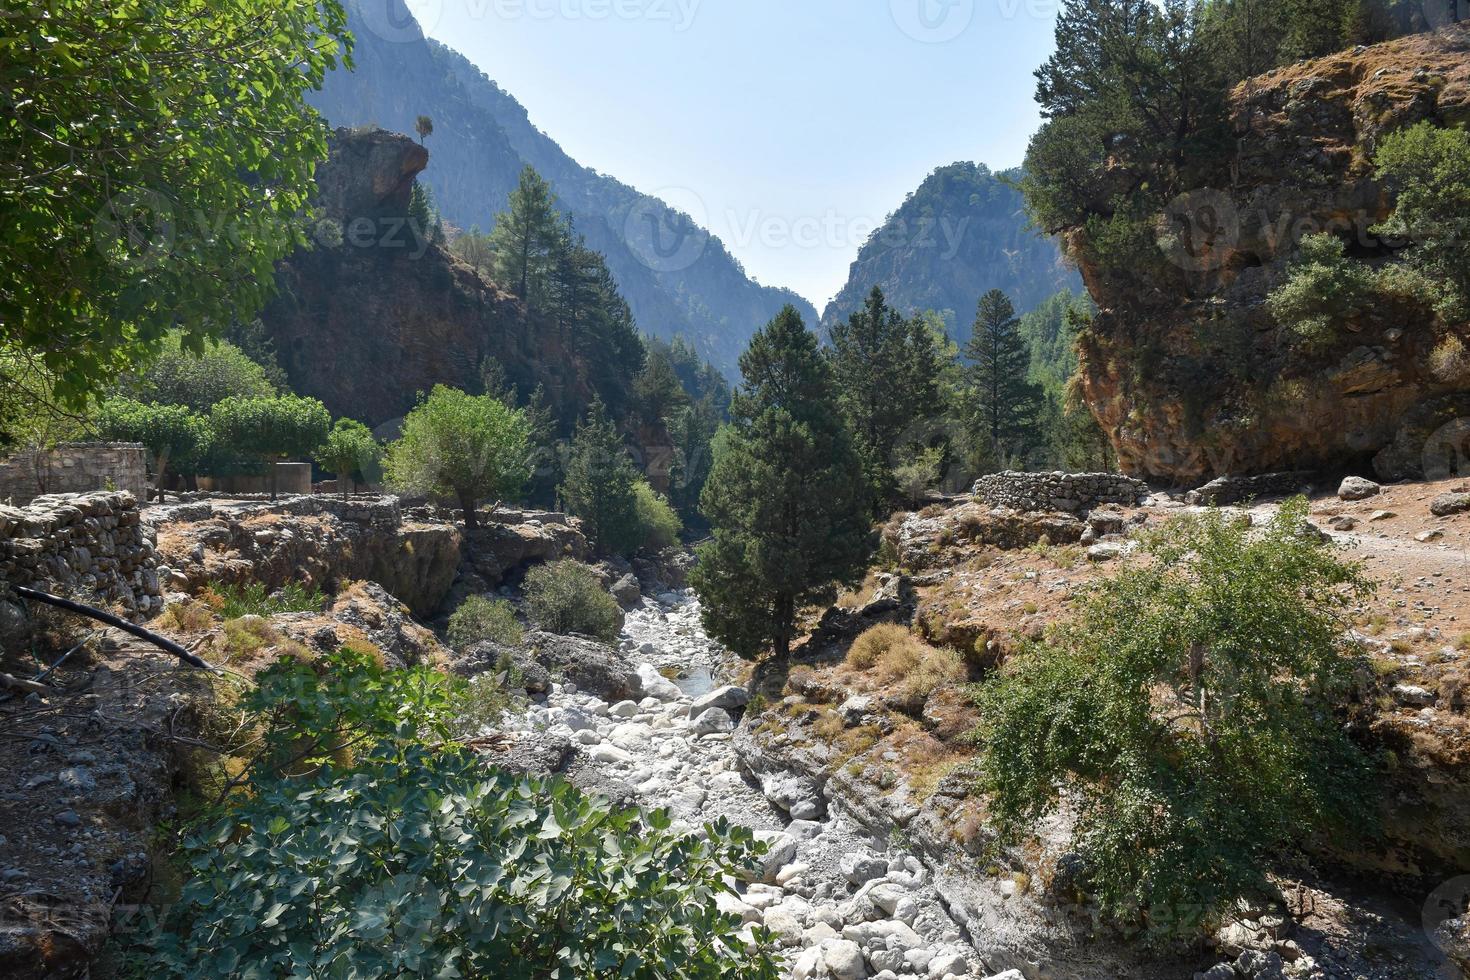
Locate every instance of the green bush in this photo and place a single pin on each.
(483, 620)
(1188, 714)
(659, 525)
(567, 597)
(411, 858)
(1430, 167)
(1324, 290)
(234, 601)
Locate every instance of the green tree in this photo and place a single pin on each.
(657, 391)
(786, 495)
(351, 454)
(692, 430)
(526, 239)
(131, 133)
(475, 249)
(1189, 713)
(1430, 168)
(172, 434)
(424, 219)
(886, 370)
(197, 378)
(424, 126)
(1007, 402)
(567, 597)
(599, 484)
(465, 447)
(270, 429)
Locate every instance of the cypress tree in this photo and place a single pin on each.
(785, 496)
(599, 484)
(1008, 404)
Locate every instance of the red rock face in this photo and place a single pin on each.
(1183, 365)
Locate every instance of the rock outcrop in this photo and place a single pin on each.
(1183, 365)
(373, 314)
(313, 541)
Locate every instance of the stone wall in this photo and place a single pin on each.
(92, 547)
(74, 468)
(1069, 492)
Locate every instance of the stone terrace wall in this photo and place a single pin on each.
(78, 467)
(90, 547)
(1059, 491)
(1234, 489)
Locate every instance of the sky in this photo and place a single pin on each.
(790, 128)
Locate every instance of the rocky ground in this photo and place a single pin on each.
(842, 903)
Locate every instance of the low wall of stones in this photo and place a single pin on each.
(1069, 492)
(78, 467)
(92, 547)
(1234, 489)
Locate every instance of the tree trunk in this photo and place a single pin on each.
(160, 467)
(785, 622)
(471, 519)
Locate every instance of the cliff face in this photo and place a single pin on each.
(963, 232)
(372, 316)
(1184, 365)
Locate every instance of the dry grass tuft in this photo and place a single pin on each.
(875, 644)
(901, 660)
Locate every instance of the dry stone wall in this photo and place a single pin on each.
(78, 467)
(1070, 492)
(91, 547)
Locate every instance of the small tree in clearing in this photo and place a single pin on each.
(171, 433)
(271, 429)
(1188, 714)
(468, 447)
(350, 452)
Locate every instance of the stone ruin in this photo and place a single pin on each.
(1068, 492)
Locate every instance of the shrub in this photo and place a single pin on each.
(659, 525)
(1188, 711)
(1449, 362)
(1324, 289)
(918, 474)
(868, 648)
(252, 599)
(1431, 168)
(244, 638)
(410, 858)
(483, 620)
(567, 597)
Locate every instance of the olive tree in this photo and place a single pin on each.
(171, 433)
(350, 453)
(271, 429)
(466, 447)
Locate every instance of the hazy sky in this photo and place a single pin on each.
(790, 128)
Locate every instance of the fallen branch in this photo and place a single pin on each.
(20, 684)
(91, 612)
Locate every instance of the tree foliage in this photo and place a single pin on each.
(1189, 715)
(197, 378)
(786, 495)
(1430, 168)
(270, 429)
(158, 161)
(465, 447)
(351, 453)
(1007, 402)
(417, 860)
(526, 239)
(174, 435)
(599, 485)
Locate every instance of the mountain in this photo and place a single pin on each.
(961, 234)
(679, 279)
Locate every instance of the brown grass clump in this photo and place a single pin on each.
(876, 643)
(186, 617)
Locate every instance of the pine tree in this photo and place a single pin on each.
(887, 372)
(1008, 404)
(527, 238)
(599, 484)
(424, 220)
(785, 496)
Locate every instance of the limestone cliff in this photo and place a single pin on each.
(372, 315)
(1185, 367)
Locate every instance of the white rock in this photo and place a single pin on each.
(715, 721)
(860, 867)
(623, 709)
(761, 896)
(1008, 975)
(887, 896)
(781, 851)
(587, 736)
(611, 754)
(728, 697)
(883, 933)
(787, 927)
(945, 963)
(886, 959)
(656, 685)
(791, 872)
(844, 959)
(918, 959)
(809, 964)
(732, 905)
(818, 934)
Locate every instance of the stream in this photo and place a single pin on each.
(843, 904)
